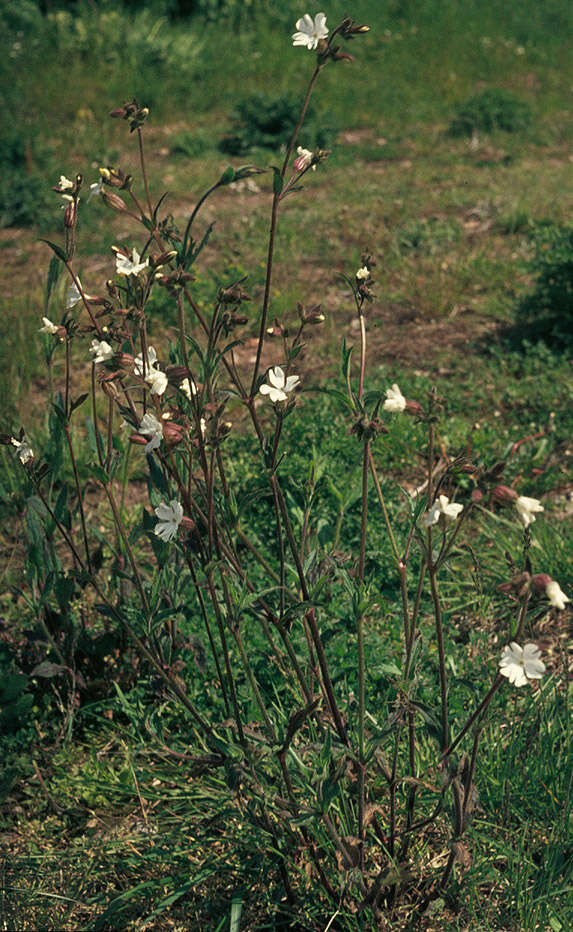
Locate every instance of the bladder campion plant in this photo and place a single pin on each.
(337, 782)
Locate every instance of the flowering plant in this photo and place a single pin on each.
(342, 781)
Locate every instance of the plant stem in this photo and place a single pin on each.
(272, 232)
(144, 172)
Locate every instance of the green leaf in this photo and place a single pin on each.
(156, 477)
(57, 249)
(53, 276)
(79, 401)
(99, 473)
(47, 669)
(59, 412)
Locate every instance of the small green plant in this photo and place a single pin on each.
(267, 121)
(491, 110)
(24, 162)
(546, 313)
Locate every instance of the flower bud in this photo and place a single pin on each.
(413, 407)
(540, 581)
(504, 495)
(172, 433)
(113, 200)
(70, 215)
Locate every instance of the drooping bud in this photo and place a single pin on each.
(172, 433)
(413, 407)
(540, 581)
(503, 495)
(113, 200)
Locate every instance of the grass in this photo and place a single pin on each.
(96, 797)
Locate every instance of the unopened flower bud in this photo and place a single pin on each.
(504, 495)
(517, 585)
(113, 200)
(70, 215)
(164, 257)
(172, 433)
(413, 407)
(540, 581)
(303, 160)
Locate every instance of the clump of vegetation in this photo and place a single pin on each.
(266, 121)
(24, 163)
(547, 312)
(492, 109)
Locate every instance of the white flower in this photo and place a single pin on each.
(24, 451)
(555, 595)
(170, 517)
(363, 273)
(64, 184)
(126, 266)
(73, 296)
(151, 427)
(102, 350)
(157, 381)
(155, 378)
(309, 32)
(441, 507)
(95, 189)
(395, 400)
(303, 160)
(280, 386)
(48, 327)
(521, 664)
(150, 362)
(527, 509)
(188, 387)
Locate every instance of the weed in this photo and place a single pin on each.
(267, 121)
(546, 313)
(492, 109)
